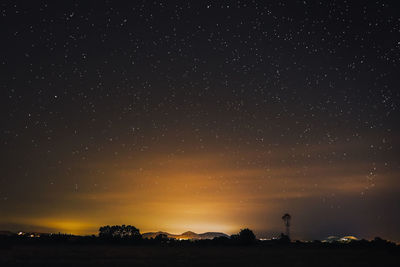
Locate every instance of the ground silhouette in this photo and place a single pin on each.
(124, 246)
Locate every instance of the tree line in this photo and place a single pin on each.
(130, 235)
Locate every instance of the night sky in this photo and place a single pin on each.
(201, 116)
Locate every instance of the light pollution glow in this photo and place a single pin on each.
(201, 117)
(201, 192)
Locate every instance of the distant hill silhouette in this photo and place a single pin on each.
(185, 235)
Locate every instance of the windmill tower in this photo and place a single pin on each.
(286, 219)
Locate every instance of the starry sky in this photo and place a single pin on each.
(201, 115)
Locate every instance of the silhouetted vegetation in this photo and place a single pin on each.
(244, 237)
(124, 245)
(130, 235)
(69, 250)
(162, 238)
(119, 232)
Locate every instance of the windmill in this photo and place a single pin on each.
(286, 218)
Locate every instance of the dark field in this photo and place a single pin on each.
(97, 255)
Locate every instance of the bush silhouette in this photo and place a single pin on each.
(161, 238)
(119, 232)
(245, 236)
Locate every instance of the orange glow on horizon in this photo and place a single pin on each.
(206, 192)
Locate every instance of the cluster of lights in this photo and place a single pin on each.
(32, 235)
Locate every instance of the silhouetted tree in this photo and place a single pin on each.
(234, 237)
(105, 231)
(246, 236)
(119, 231)
(379, 242)
(161, 238)
(378, 239)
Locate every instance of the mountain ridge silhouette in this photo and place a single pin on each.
(186, 235)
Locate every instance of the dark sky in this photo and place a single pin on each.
(201, 115)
